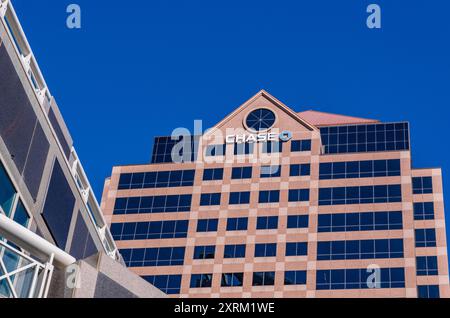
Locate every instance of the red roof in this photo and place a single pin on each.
(317, 118)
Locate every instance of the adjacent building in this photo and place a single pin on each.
(54, 241)
(276, 203)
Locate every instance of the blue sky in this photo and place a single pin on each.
(138, 69)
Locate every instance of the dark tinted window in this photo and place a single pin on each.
(58, 207)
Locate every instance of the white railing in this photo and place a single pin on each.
(93, 208)
(37, 81)
(22, 276)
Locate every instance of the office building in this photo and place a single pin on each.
(277, 203)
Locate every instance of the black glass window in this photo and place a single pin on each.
(232, 279)
(263, 278)
(422, 185)
(237, 224)
(295, 278)
(300, 145)
(210, 199)
(150, 230)
(59, 206)
(241, 173)
(157, 204)
(424, 211)
(271, 196)
(156, 179)
(296, 249)
(266, 250)
(186, 150)
(365, 138)
(425, 238)
(298, 221)
(365, 249)
(359, 169)
(207, 225)
(234, 251)
(267, 223)
(360, 195)
(298, 195)
(364, 221)
(204, 252)
(168, 284)
(163, 256)
(334, 279)
(428, 291)
(201, 280)
(239, 198)
(213, 174)
(270, 171)
(427, 265)
(298, 170)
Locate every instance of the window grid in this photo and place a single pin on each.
(425, 238)
(298, 195)
(300, 145)
(364, 249)
(422, 185)
(298, 221)
(427, 265)
(239, 198)
(143, 257)
(295, 278)
(234, 251)
(232, 279)
(364, 221)
(241, 173)
(263, 278)
(270, 171)
(237, 224)
(201, 280)
(360, 195)
(163, 146)
(209, 199)
(207, 225)
(298, 170)
(267, 223)
(296, 249)
(424, 211)
(359, 169)
(358, 278)
(155, 204)
(168, 284)
(204, 252)
(213, 174)
(156, 179)
(149, 230)
(365, 138)
(266, 250)
(428, 291)
(271, 196)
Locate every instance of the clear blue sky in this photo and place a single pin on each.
(138, 69)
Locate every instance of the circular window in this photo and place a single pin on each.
(260, 119)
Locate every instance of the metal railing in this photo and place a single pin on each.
(22, 276)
